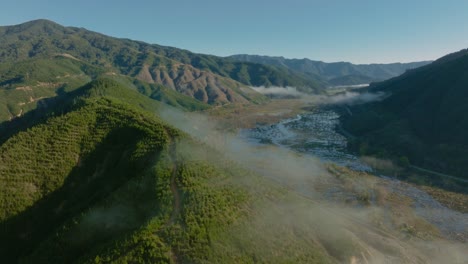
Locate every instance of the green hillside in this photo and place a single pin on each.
(103, 180)
(149, 95)
(24, 84)
(424, 119)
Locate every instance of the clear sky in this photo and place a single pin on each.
(359, 31)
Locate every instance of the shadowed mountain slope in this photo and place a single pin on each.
(424, 118)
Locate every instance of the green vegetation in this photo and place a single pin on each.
(101, 172)
(99, 178)
(168, 96)
(423, 122)
(26, 84)
(56, 170)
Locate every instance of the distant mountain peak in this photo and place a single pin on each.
(41, 21)
(35, 27)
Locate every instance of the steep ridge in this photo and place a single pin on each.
(423, 119)
(201, 85)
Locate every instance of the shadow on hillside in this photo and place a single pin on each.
(93, 180)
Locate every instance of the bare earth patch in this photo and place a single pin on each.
(24, 88)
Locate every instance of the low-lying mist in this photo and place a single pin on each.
(343, 98)
(354, 86)
(339, 229)
(353, 98)
(276, 91)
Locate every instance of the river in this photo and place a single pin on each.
(314, 133)
(310, 133)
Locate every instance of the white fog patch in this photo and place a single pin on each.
(279, 91)
(312, 213)
(364, 85)
(347, 98)
(352, 98)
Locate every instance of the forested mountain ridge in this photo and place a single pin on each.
(334, 73)
(42, 37)
(40, 59)
(423, 119)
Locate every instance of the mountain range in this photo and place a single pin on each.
(41, 59)
(335, 73)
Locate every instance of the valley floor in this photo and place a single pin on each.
(445, 210)
(237, 116)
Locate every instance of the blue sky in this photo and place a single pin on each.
(360, 31)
